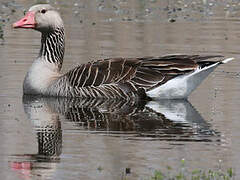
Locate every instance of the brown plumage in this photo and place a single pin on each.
(133, 74)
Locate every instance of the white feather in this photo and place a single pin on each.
(227, 60)
(39, 77)
(181, 86)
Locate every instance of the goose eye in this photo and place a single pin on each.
(43, 11)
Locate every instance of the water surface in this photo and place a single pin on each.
(58, 138)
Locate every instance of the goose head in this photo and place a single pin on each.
(41, 17)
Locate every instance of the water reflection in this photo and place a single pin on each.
(47, 125)
(175, 120)
(165, 118)
(137, 120)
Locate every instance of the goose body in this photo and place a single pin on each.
(164, 77)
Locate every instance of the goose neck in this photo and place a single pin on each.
(52, 47)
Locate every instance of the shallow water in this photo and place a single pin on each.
(57, 138)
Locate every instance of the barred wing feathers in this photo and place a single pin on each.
(103, 72)
(124, 77)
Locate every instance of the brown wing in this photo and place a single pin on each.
(124, 75)
(155, 71)
(101, 72)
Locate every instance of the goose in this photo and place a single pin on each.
(164, 77)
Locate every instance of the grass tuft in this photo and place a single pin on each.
(196, 174)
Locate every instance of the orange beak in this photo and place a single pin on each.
(26, 22)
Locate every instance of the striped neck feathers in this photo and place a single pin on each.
(52, 47)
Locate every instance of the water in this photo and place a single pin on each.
(57, 138)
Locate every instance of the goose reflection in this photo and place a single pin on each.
(158, 119)
(47, 125)
(162, 120)
(165, 120)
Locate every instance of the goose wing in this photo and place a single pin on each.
(155, 71)
(132, 74)
(105, 71)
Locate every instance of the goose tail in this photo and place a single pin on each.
(227, 60)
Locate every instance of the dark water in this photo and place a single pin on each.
(58, 138)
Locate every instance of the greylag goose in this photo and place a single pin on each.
(165, 77)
